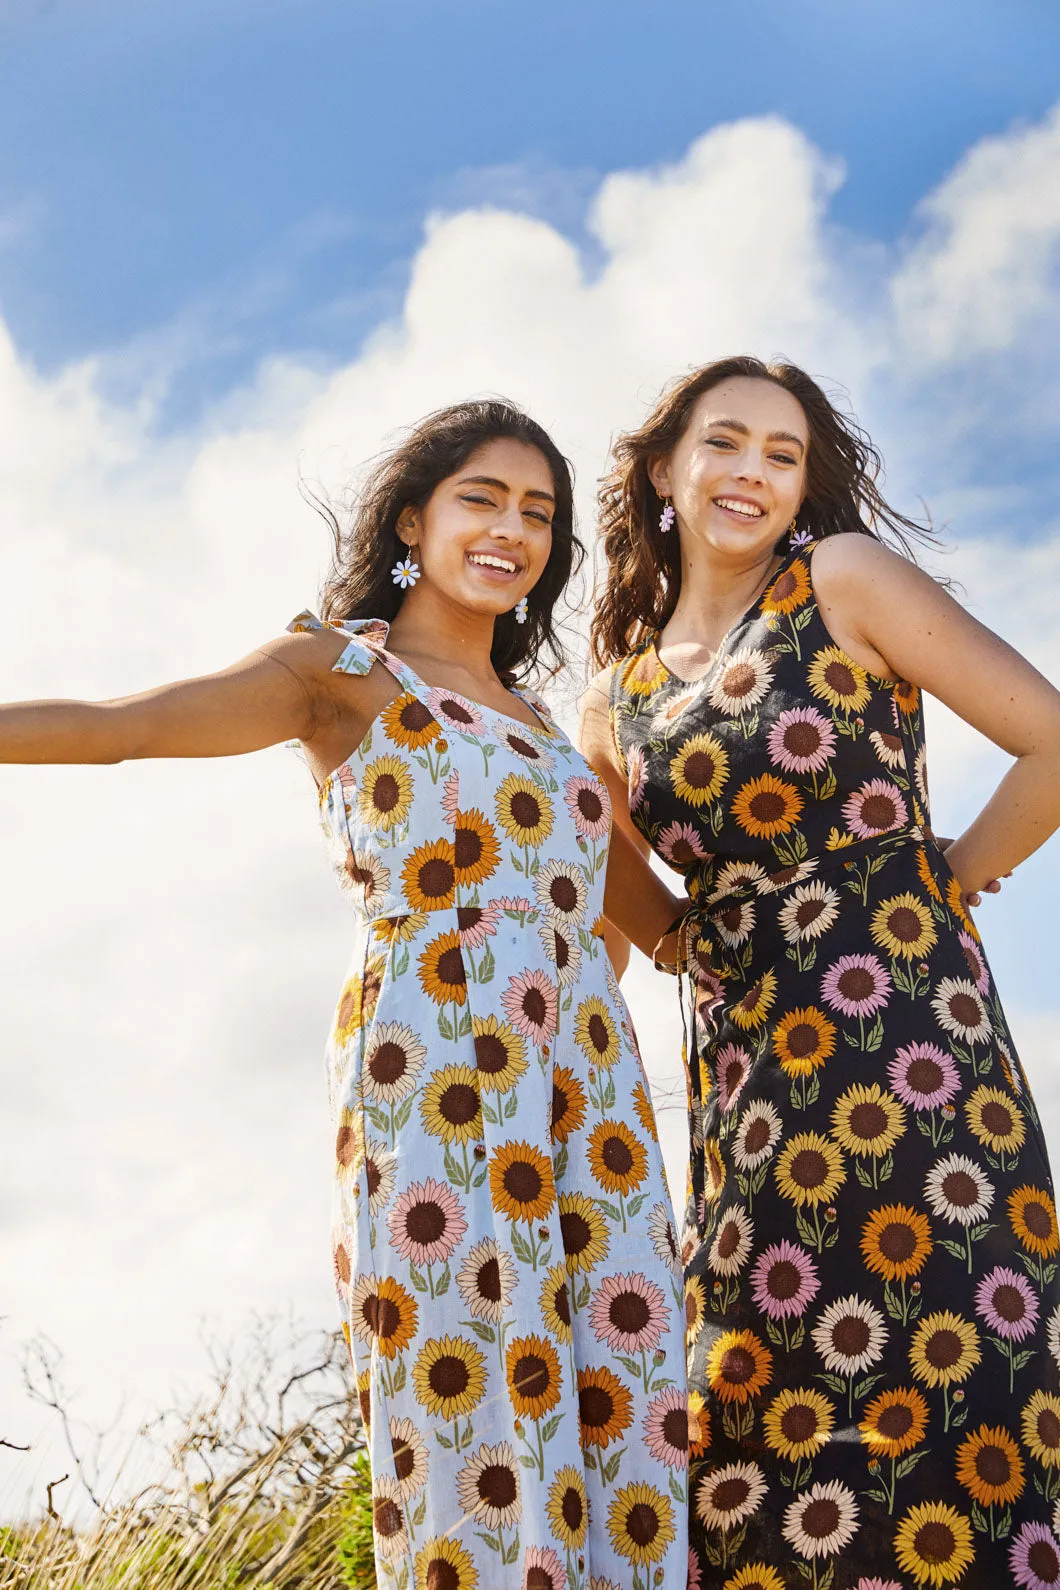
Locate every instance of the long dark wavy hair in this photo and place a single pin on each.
(644, 565)
(359, 583)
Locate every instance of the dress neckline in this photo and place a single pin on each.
(408, 678)
(692, 684)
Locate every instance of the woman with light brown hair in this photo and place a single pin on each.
(871, 1244)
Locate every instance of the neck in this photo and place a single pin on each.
(715, 590)
(433, 629)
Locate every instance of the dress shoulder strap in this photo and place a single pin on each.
(366, 646)
(537, 703)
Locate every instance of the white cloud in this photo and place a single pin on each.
(170, 939)
(985, 268)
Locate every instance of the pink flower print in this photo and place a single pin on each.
(451, 799)
(455, 712)
(977, 969)
(876, 808)
(476, 923)
(857, 985)
(629, 1314)
(1034, 1559)
(666, 1428)
(680, 845)
(531, 1004)
(801, 741)
(733, 1068)
(541, 1566)
(784, 1280)
(924, 1076)
(1005, 1302)
(588, 803)
(426, 1223)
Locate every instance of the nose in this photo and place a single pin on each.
(509, 526)
(750, 466)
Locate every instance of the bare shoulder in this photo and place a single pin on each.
(595, 705)
(594, 719)
(851, 562)
(310, 653)
(598, 690)
(862, 585)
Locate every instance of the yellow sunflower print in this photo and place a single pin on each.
(524, 811)
(699, 770)
(385, 795)
(836, 678)
(449, 1377)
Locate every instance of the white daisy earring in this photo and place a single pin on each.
(406, 572)
(520, 610)
(667, 517)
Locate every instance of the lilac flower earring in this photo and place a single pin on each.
(520, 610)
(667, 517)
(798, 538)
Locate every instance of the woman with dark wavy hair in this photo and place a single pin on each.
(871, 1243)
(503, 1248)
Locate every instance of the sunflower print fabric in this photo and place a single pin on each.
(504, 1248)
(871, 1243)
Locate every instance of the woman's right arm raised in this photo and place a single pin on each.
(278, 692)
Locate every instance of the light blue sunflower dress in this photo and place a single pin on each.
(504, 1247)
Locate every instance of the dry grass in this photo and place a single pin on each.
(263, 1482)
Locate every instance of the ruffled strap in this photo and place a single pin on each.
(366, 641)
(533, 700)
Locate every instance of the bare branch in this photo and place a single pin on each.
(50, 1487)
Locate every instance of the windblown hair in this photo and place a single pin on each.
(359, 583)
(644, 565)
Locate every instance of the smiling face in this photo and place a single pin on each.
(484, 537)
(737, 476)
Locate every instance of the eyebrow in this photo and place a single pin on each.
(502, 485)
(774, 436)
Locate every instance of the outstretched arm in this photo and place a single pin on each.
(926, 637)
(638, 905)
(271, 695)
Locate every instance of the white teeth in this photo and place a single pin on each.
(489, 562)
(748, 509)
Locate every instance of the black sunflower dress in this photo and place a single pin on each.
(871, 1247)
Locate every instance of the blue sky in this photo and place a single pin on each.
(266, 165)
(248, 239)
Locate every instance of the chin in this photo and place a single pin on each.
(487, 605)
(730, 539)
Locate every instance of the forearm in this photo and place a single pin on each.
(636, 901)
(1020, 816)
(254, 703)
(617, 946)
(60, 731)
